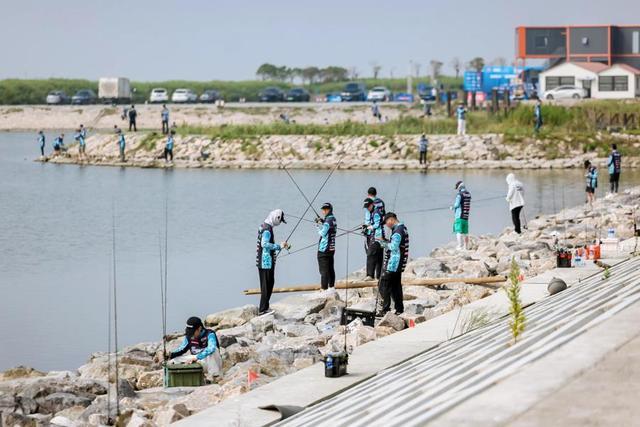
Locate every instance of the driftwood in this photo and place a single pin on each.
(482, 281)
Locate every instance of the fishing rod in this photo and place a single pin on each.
(314, 244)
(310, 205)
(163, 282)
(446, 207)
(109, 343)
(282, 165)
(353, 230)
(115, 308)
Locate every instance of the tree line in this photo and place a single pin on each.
(310, 75)
(315, 75)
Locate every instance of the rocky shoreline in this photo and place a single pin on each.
(490, 151)
(302, 328)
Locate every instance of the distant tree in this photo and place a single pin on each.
(375, 67)
(310, 74)
(436, 66)
(282, 73)
(456, 64)
(477, 63)
(416, 69)
(499, 62)
(267, 71)
(334, 74)
(295, 73)
(353, 73)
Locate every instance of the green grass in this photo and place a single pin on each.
(148, 143)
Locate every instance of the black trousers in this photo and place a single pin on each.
(168, 154)
(614, 180)
(374, 259)
(42, 150)
(327, 270)
(267, 280)
(391, 289)
(132, 123)
(515, 217)
(165, 127)
(423, 157)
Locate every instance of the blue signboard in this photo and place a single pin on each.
(472, 81)
(498, 78)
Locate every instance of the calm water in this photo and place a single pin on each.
(55, 240)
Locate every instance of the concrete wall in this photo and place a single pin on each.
(556, 41)
(597, 40)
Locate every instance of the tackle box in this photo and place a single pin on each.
(350, 314)
(183, 375)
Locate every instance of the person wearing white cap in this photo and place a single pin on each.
(461, 207)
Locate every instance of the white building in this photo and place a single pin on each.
(620, 81)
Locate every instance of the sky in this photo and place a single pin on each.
(154, 40)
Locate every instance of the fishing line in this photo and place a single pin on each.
(346, 292)
(310, 205)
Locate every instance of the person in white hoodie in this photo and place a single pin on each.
(515, 198)
(267, 252)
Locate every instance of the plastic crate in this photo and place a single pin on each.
(184, 375)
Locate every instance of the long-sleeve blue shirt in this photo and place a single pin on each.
(267, 247)
(393, 246)
(212, 345)
(170, 143)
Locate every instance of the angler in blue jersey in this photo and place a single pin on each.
(395, 261)
(614, 163)
(461, 115)
(423, 144)
(267, 251)
(164, 115)
(41, 142)
(121, 142)
(374, 233)
(168, 149)
(199, 345)
(592, 181)
(82, 146)
(375, 110)
(327, 227)
(58, 145)
(461, 207)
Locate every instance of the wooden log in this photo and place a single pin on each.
(492, 281)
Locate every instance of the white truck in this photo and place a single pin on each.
(114, 90)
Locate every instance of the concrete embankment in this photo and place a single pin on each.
(322, 152)
(305, 327)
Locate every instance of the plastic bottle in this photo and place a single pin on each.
(611, 233)
(329, 362)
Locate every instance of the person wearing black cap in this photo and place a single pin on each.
(199, 345)
(395, 261)
(327, 227)
(374, 232)
(266, 255)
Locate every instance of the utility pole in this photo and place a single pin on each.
(410, 78)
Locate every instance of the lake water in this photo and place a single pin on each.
(55, 239)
